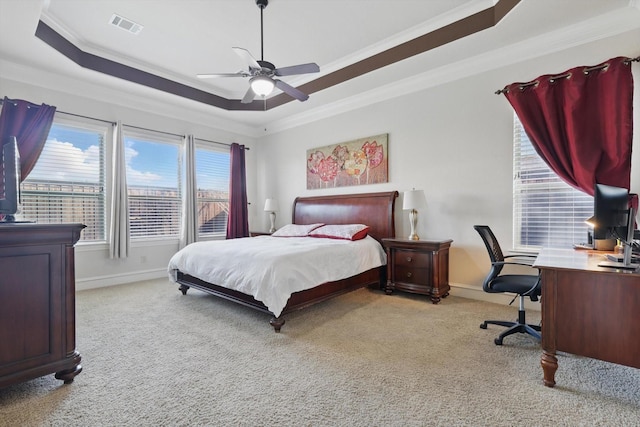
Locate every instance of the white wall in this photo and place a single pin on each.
(454, 141)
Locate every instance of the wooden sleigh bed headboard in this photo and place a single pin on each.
(372, 209)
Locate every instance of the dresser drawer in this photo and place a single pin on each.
(412, 259)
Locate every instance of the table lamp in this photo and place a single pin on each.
(413, 200)
(271, 206)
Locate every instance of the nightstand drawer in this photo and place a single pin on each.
(418, 276)
(412, 259)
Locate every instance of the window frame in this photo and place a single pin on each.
(106, 130)
(573, 205)
(207, 146)
(157, 137)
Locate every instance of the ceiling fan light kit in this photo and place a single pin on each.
(261, 85)
(262, 72)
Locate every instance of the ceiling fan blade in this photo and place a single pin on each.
(247, 57)
(215, 75)
(311, 67)
(248, 97)
(291, 91)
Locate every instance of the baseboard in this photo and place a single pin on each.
(120, 279)
(476, 293)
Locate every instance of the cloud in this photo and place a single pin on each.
(137, 177)
(79, 165)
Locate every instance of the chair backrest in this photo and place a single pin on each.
(493, 247)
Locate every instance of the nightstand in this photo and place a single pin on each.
(418, 266)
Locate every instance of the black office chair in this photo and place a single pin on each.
(522, 285)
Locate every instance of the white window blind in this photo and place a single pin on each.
(547, 212)
(67, 184)
(153, 184)
(212, 180)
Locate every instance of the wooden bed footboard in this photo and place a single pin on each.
(375, 278)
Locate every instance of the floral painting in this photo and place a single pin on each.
(358, 162)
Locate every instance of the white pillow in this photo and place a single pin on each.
(295, 230)
(341, 231)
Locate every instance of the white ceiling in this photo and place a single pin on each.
(182, 38)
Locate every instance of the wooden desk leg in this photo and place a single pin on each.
(549, 363)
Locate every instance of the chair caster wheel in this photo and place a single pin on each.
(483, 326)
(498, 341)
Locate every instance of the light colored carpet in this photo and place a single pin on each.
(154, 357)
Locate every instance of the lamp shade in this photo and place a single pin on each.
(262, 85)
(270, 205)
(413, 199)
(591, 222)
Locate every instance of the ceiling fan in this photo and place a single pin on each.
(262, 72)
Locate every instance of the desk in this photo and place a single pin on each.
(587, 310)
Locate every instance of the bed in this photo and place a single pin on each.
(373, 209)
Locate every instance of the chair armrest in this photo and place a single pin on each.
(526, 264)
(524, 259)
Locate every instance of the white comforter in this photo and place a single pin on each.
(272, 268)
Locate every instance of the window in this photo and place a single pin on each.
(212, 181)
(67, 183)
(546, 211)
(153, 184)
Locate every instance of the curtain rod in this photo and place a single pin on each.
(132, 126)
(72, 114)
(565, 75)
(152, 130)
(217, 142)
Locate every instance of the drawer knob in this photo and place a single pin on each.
(409, 274)
(408, 259)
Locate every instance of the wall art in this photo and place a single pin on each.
(358, 162)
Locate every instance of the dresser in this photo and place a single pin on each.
(37, 302)
(418, 266)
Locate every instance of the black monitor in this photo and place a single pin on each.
(610, 211)
(613, 218)
(10, 180)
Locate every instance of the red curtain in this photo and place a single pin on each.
(581, 122)
(238, 219)
(30, 124)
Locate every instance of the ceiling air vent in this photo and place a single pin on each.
(125, 24)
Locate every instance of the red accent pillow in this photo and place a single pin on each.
(295, 230)
(341, 231)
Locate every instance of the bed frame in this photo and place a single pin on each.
(374, 209)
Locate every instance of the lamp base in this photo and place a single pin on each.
(272, 216)
(413, 221)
